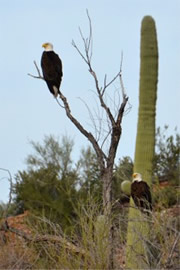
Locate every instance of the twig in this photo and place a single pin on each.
(99, 91)
(101, 156)
(172, 249)
(10, 191)
(108, 84)
(105, 138)
(38, 71)
(87, 60)
(59, 103)
(91, 117)
(90, 41)
(75, 46)
(45, 238)
(120, 77)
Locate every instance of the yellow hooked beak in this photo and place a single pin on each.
(134, 175)
(44, 45)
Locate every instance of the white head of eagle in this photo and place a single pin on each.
(52, 69)
(47, 46)
(137, 177)
(140, 192)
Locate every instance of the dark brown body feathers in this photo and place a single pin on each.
(141, 195)
(52, 70)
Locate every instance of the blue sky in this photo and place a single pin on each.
(27, 109)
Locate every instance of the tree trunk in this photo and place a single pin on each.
(107, 206)
(105, 161)
(107, 190)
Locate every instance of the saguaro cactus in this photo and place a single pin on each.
(138, 226)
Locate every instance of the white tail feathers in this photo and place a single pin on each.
(56, 91)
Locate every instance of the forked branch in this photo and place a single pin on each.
(86, 56)
(100, 154)
(114, 122)
(38, 71)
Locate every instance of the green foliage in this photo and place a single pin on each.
(166, 160)
(86, 248)
(166, 197)
(43, 193)
(123, 171)
(2, 209)
(48, 186)
(165, 168)
(67, 198)
(51, 154)
(89, 236)
(51, 185)
(163, 247)
(89, 175)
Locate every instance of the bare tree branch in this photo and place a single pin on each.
(99, 91)
(87, 59)
(90, 41)
(106, 85)
(105, 138)
(114, 120)
(38, 71)
(75, 46)
(43, 238)
(10, 191)
(59, 103)
(92, 119)
(115, 127)
(101, 156)
(120, 76)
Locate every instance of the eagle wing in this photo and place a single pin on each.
(141, 194)
(52, 67)
(147, 195)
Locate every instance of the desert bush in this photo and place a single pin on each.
(48, 247)
(166, 197)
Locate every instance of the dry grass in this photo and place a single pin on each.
(86, 247)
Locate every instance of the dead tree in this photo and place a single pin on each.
(114, 117)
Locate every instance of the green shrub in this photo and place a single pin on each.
(166, 197)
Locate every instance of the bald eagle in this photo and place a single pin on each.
(141, 194)
(52, 69)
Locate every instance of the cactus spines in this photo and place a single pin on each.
(138, 231)
(145, 140)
